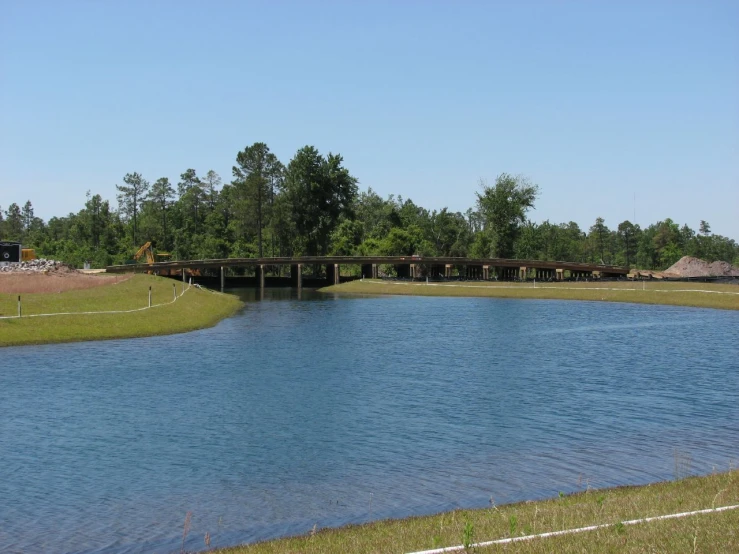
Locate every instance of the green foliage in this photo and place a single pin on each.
(512, 524)
(468, 534)
(503, 207)
(130, 197)
(319, 191)
(313, 207)
(257, 175)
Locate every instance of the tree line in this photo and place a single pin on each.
(313, 206)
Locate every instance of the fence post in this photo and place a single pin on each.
(150, 296)
(19, 305)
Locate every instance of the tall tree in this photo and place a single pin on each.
(161, 196)
(320, 190)
(600, 233)
(627, 234)
(93, 218)
(211, 182)
(503, 207)
(13, 223)
(27, 217)
(255, 174)
(191, 199)
(130, 197)
(188, 180)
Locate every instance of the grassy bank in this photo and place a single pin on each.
(713, 532)
(670, 293)
(196, 309)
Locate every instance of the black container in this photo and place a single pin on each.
(10, 252)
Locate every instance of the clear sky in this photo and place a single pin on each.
(598, 102)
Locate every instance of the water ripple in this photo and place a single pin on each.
(330, 411)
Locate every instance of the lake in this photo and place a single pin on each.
(326, 411)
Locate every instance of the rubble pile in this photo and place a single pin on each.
(688, 266)
(40, 265)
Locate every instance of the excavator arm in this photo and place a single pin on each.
(145, 249)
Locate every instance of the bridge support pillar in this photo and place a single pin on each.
(486, 272)
(474, 272)
(333, 275)
(560, 274)
(523, 273)
(223, 278)
(296, 275)
(448, 270)
(259, 270)
(369, 271)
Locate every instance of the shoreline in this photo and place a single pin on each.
(697, 295)
(118, 310)
(591, 520)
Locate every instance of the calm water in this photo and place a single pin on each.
(333, 410)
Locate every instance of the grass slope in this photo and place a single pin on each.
(715, 532)
(677, 294)
(196, 309)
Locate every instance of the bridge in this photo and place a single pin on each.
(413, 267)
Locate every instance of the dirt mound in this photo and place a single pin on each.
(688, 266)
(25, 282)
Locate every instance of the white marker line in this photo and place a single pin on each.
(94, 313)
(572, 531)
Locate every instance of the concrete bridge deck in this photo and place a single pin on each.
(406, 266)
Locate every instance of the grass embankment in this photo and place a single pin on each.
(713, 532)
(196, 309)
(668, 293)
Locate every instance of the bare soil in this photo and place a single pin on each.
(58, 281)
(687, 266)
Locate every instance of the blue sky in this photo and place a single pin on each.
(598, 102)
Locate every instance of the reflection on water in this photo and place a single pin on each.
(296, 411)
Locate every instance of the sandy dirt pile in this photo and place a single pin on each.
(688, 266)
(49, 276)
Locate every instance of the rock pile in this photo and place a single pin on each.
(40, 265)
(688, 266)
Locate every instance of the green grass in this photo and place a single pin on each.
(195, 310)
(658, 292)
(715, 532)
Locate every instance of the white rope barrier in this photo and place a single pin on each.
(573, 531)
(104, 312)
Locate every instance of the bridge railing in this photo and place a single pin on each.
(362, 260)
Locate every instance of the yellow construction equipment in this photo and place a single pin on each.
(148, 251)
(28, 254)
(145, 249)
